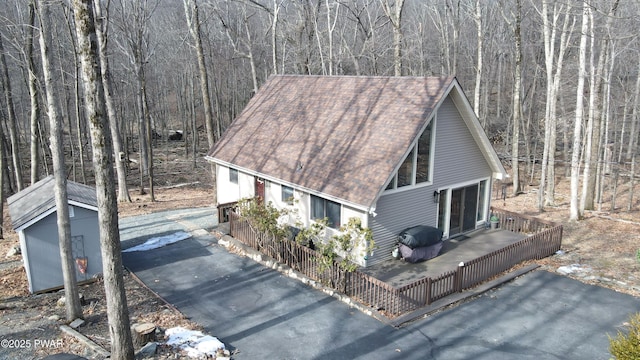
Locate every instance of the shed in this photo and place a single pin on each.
(34, 218)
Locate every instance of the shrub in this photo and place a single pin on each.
(626, 346)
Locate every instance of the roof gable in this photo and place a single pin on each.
(340, 135)
(39, 199)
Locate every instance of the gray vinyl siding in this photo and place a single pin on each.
(457, 156)
(43, 251)
(457, 159)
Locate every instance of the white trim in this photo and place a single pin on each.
(414, 146)
(449, 188)
(25, 257)
(51, 211)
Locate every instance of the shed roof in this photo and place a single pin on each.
(39, 199)
(342, 136)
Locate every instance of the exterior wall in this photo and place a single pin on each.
(229, 192)
(40, 246)
(457, 160)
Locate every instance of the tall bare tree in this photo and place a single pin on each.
(11, 117)
(33, 97)
(117, 312)
(394, 13)
(72, 303)
(480, 37)
(575, 212)
(193, 21)
(515, 22)
(101, 32)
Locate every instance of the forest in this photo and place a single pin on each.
(555, 84)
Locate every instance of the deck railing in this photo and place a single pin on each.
(544, 240)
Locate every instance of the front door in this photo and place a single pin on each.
(464, 207)
(259, 187)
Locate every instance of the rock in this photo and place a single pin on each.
(76, 323)
(54, 317)
(63, 300)
(13, 251)
(223, 354)
(147, 351)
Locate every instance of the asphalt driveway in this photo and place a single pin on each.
(265, 315)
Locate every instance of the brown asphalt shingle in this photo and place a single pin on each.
(347, 133)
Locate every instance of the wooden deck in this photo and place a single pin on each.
(460, 249)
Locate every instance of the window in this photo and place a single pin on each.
(423, 161)
(416, 168)
(287, 194)
(323, 208)
(233, 176)
(405, 173)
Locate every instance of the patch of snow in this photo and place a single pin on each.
(160, 241)
(573, 268)
(193, 342)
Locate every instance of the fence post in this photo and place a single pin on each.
(458, 277)
(429, 281)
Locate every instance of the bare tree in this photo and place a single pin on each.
(516, 24)
(33, 97)
(480, 37)
(11, 116)
(394, 13)
(193, 21)
(117, 312)
(101, 33)
(72, 303)
(575, 212)
(546, 192)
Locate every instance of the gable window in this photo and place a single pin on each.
(416, 167)
(287, 194)
(405, 173)
(423, 160)
(233, 176)
(323, 208)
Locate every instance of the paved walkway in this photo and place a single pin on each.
(265, 315)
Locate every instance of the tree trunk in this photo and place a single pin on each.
(72, 301)
(575, 212)
(595, 114)
(632, 182)
(117, 312)
(101, 33)
(517, 102)
(11, 117)
(33, 96)
(395, 16)
(193, 21)
(480, 37)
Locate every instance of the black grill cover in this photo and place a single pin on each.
(420, 236)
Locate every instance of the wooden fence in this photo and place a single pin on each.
(544, 240)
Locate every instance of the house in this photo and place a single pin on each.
(34, 218)
(393, 151)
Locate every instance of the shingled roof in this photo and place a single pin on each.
(39, 199)
(343, 136)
